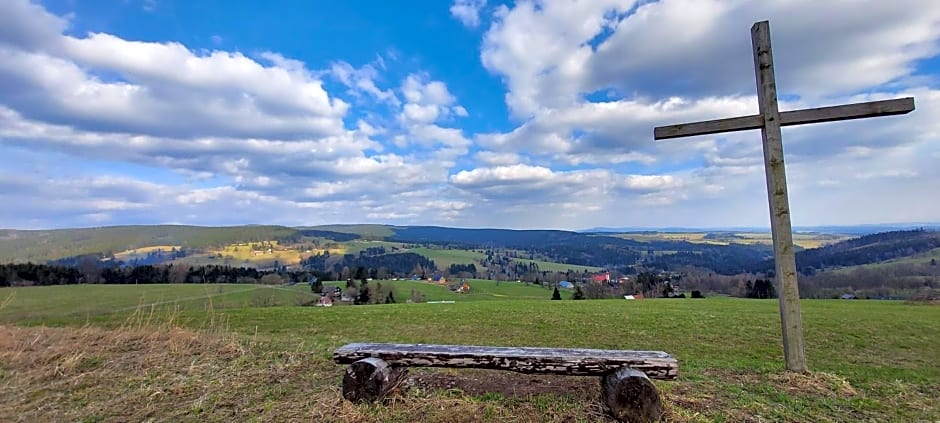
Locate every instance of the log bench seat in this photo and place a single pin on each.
(376, 369)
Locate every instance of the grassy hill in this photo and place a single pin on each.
(443, 258)
(875, 248)
(39, 246)
(871, 360)
(85, 301)
(724, 253)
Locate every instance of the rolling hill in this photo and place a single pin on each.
(554, 250)
(39, 246)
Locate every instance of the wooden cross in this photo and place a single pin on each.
(769, 121)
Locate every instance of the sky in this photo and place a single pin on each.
(475, 113)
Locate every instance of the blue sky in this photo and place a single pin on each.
(530, 114)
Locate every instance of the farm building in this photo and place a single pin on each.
(601, 277)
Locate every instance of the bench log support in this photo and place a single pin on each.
(371, 379)
(631, 397)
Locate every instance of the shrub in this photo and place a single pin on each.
(578, 294)
(272, 279)
(416, 296)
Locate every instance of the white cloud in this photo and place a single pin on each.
(167, 91)
(552, 53)
(421, 113)
(468, 11)
(491, 158)
(28, 26)
(521, 182)
(460, 111)
(418, 89)
(363, 80)
(222, 137)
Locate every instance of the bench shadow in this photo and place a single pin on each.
(478, 382)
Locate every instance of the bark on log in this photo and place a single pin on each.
(371, 379)
(631, 397)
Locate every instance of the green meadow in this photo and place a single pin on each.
(870, 360)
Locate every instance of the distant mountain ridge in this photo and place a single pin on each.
(863, 229)
(597, 249)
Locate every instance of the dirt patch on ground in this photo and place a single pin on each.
(511, 385)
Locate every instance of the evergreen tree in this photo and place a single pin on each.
(556, 295)
(363, 297)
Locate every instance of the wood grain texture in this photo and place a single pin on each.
(566, 361)
(780, 226)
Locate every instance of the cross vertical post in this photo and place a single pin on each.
(780, 226)
(769, 122)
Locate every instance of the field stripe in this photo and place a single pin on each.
(193, 298)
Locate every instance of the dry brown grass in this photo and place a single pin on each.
(170, 374)
(145, 371)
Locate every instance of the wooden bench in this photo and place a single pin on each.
(376, 369)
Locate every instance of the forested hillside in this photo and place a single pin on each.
(866, 249)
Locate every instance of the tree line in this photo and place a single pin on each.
(31, 274)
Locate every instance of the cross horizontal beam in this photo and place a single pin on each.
(898, 106)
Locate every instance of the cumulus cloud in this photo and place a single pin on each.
(228, 137)
(552, 53)
(26, 25)
(427, 103)
(166, 91)
(588, 82)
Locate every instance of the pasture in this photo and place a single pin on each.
(558, 267)
(142, 252)
(187, 360)
(443, 258)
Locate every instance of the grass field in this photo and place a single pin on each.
(142, 252)
(75, 302)
(444, 258)
(558, 267)
(871, 360)
(78, 302)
